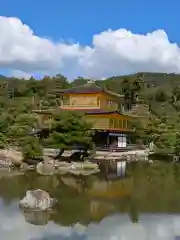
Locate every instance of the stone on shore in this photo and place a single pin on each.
(45, 168)
(10, 157)
(13, 155)
(5, 163)
(25, 167)
(76, 168)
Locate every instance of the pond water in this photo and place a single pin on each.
(145, 205)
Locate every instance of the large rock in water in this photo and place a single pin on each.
(37, 200)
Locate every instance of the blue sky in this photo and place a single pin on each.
(79, 20)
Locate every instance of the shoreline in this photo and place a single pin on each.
(11, 160)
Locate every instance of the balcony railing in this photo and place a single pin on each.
(66, 104)
(69, 105)
(88, 106)
(109, 124)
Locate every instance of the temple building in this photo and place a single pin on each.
(103, 108)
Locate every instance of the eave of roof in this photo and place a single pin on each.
(86, 111)
(113, 94)
(97, 111)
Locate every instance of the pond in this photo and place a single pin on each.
(143, 205)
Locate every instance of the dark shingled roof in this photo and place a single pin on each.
(90, 87)
(99, 111)
(86, 111)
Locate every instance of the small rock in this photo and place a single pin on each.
(45, 168)
(24, 167)
(5, 163)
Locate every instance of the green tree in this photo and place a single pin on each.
(23, 124)
(68, 128)
(163, 94)
(140, 134)
(177, 144)
(5, 122)
(31, 148)
(79, 81)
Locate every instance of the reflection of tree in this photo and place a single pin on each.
(111, 189)
(156, 188)
(133, 210)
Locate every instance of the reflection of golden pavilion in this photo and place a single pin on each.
(111, 189)
(102, 188)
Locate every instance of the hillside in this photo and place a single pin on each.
(3, 77)
(45, 93)
(154, 96)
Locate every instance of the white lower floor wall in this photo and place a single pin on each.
(119, 139)
(122, 141)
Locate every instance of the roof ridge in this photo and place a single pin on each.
(89, 82)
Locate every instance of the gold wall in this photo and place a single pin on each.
(88, 101)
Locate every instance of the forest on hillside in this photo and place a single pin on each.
(30, 94)
(159, 92)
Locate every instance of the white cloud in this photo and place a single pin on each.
(111, 53)
(114, 227)
(21, 74)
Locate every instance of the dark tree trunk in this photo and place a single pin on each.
(60, 153)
